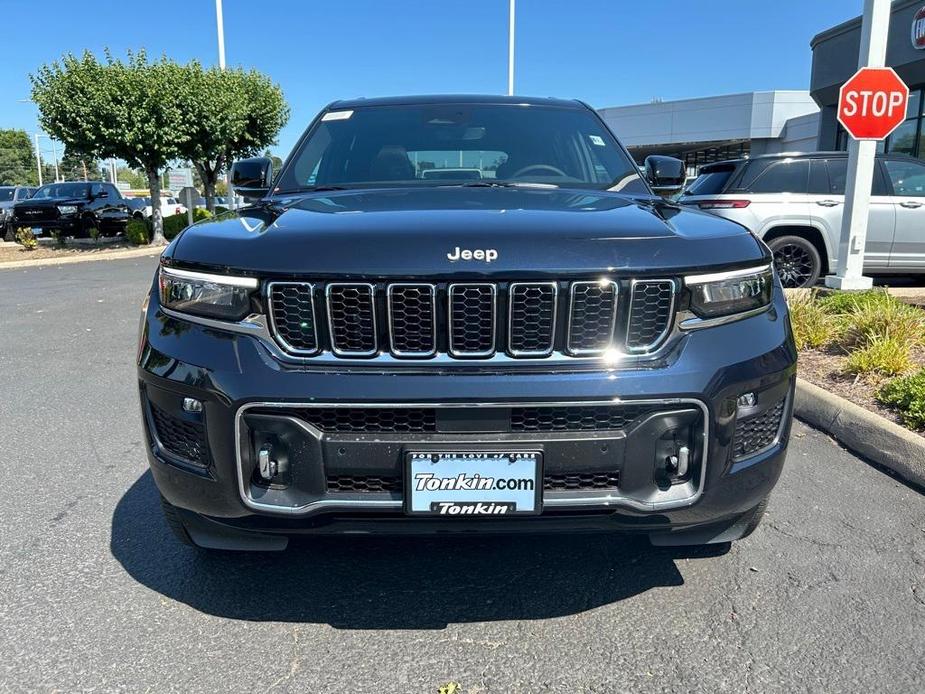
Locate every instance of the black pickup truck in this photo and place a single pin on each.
(542, 344)
(73, 209)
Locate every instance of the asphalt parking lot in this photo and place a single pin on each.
(827, 595)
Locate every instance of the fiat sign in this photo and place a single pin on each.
(918, 29)
(872, 103)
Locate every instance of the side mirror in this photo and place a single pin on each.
(666, 175)
(252, 177)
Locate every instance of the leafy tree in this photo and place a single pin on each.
(135, 178)
(75, 166)
(133, 110)
(233, 113)
(17, 158)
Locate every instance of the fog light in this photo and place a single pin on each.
(192, 405)
(747, 400)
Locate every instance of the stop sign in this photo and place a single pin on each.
(872, 103)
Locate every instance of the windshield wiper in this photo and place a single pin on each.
(312, 189)
(504, 184)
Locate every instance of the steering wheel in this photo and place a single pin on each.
(539, 167)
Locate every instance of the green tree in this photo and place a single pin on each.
(133, 110)
(135, 178)
(75, 166)
(17, 158)
(233, 113)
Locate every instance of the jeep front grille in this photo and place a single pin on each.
(472, 320)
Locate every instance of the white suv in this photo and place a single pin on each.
(795, 201)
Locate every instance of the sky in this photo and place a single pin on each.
(605, 52)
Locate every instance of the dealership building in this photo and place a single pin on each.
(700, 131)
(713, 128)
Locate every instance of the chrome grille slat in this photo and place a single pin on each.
(650, 314)
(412, 310)
(532, 318)
(472, 319)
(352, 318)
(592, 317)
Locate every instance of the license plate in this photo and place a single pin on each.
(36, 231)
(473, 483)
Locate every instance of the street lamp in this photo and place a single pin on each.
(510, 49)
(54, 150)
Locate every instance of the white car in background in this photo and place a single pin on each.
(169, 206)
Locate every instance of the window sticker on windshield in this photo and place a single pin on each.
(596, 140)
(337, 115)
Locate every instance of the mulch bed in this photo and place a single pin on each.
(9, 253)
(826, 369)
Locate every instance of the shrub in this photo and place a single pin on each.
(201, 213)
(874, 318)
(174, 224)
(885, 355)
(838, 303)
(907, 395)
(94, 233)
(26, 238)
(137, 232)
(812, 326)
(59, 237)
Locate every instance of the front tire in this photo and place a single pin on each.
(796, 261)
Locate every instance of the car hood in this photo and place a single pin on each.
(407, 232)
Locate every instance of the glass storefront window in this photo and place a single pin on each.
(903, 140)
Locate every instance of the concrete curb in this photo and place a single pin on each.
(84, 258)
(874, 437)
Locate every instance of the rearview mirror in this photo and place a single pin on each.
(666, 175)
(251, 178)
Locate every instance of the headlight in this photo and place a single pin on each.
(728, 293)
(67, 209)
(215, 296)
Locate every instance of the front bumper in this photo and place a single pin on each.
(248, 395)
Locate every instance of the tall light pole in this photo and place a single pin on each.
(510, 49)
(38, 157)
(220, 23)
(54, 150)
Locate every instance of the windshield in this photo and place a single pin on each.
(6, 194)
(457, 144)
(62, 190)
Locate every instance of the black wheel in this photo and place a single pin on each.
(175, 523)
(796, 260)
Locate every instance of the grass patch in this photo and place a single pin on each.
(883, 355)
(872, 318)
(907, 396)
(838, 303)
(813, 327)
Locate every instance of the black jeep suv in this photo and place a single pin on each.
(73, 209)
(464, 314)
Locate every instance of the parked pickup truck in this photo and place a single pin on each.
(74, 209)
(548, 346)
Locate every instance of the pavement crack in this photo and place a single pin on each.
(802, 538)
(295, 662)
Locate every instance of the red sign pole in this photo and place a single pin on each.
(871, 104)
